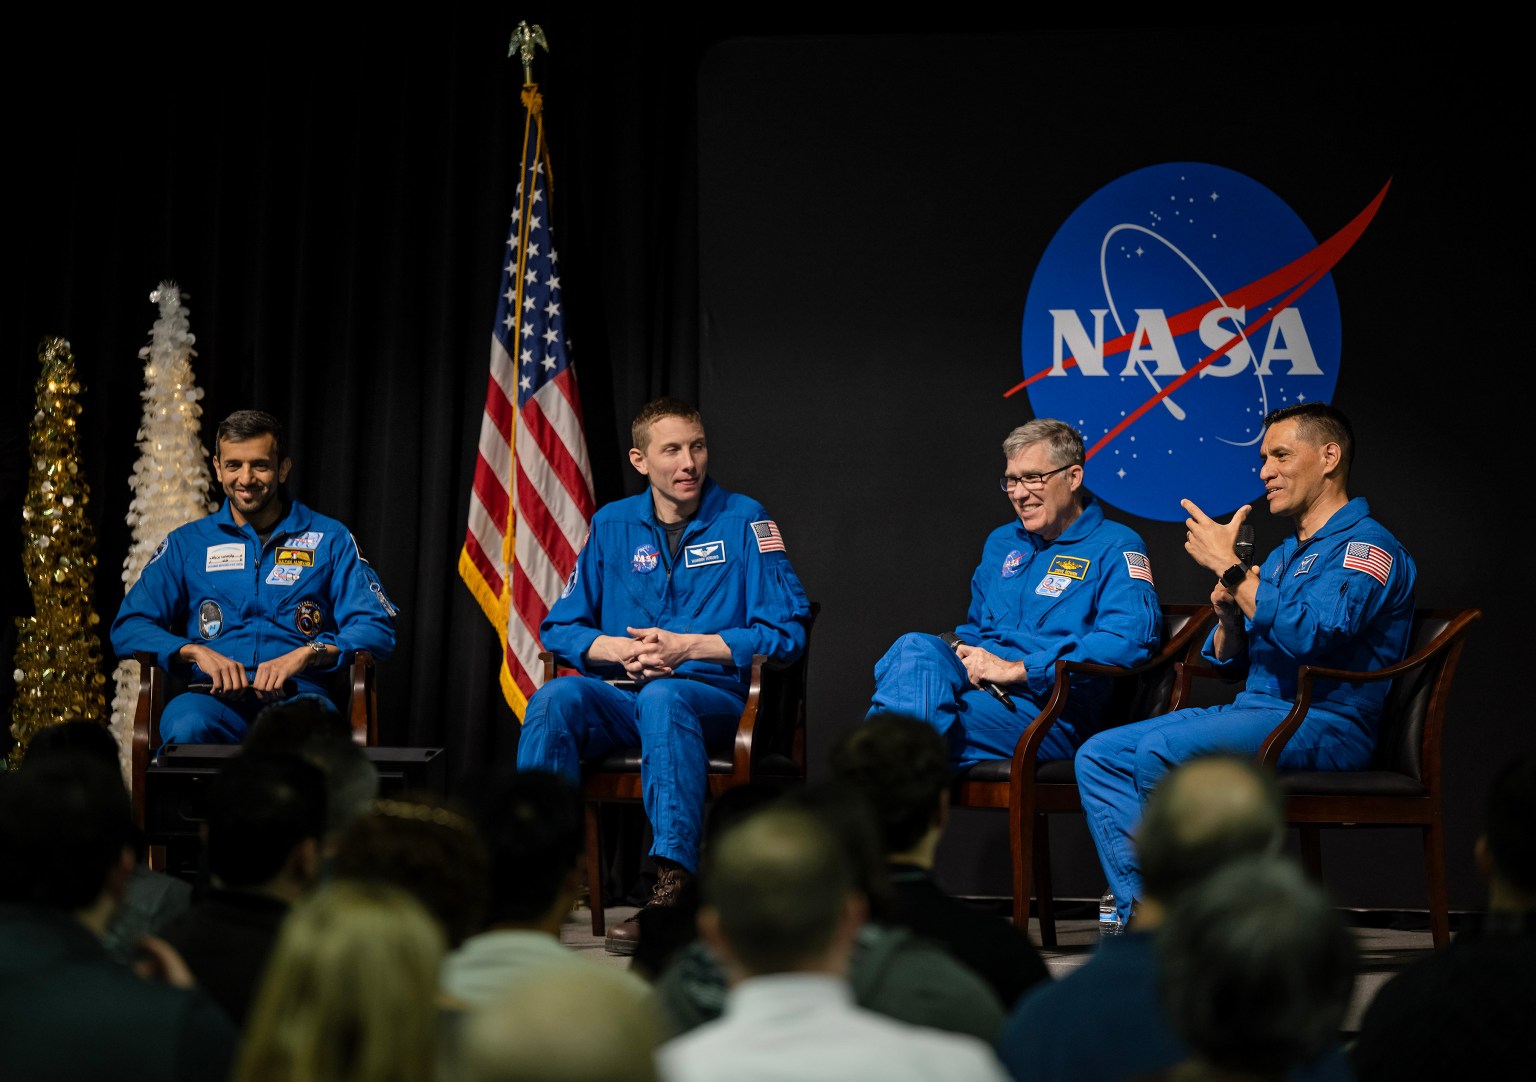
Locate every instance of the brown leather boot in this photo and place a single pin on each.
(624, 937)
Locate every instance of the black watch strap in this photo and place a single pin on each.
(1233, 577)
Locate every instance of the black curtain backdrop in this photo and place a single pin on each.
(824, 240)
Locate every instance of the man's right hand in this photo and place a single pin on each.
(226, 673)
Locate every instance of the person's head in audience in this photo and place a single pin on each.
(571, 1025)
(533, 826)
(88, 737)
(430, 846)
(66, 837)
(1506, 850)
(1204, 814)
(901, 766)
(349, 994)
(780, 896)
(1258, 968)
(265, 821)
(312, 730)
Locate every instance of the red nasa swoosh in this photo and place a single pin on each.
(1298, 276)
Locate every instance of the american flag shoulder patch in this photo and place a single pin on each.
(1375, 562)
(1139, 566)
(768, 537)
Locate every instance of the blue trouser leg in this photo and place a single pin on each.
(198, 718)
(680, 720)
(1118, 768)
(920, 677)
(675, 722)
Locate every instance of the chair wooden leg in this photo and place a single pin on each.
(595, 867)
(1434, 874)
(1044, 895)
(1021, 850)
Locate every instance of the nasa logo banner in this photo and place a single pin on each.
(1170, 313)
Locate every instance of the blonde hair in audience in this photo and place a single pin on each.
(350, 991)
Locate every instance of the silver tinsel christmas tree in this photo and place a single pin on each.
(170, 479)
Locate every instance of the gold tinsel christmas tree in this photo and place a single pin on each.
(58, 650)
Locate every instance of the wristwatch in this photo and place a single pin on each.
(1233, 577)
(317, 647)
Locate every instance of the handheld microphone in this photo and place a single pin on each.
(952, 641)
(1243, 546)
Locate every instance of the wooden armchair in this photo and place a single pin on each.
(1029, 790)
(1401, 787)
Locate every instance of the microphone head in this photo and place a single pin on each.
(1243, 546)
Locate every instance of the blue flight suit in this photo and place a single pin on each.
(1342, 600)
(730, 577)
(1086, 596)
(212, 582)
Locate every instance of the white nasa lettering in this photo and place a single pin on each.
(1067, 326)
(1214, 336)
(1154, 350)
(1288, 327)
(1152, 328)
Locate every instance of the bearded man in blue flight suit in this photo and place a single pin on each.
(1061, 582)
(673, 593)
(259, 598)
(1338, 594)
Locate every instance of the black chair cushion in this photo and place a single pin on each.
(1350, 783)
(1050, 772)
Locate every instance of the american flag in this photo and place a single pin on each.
(1139, 566)
(1375, 562)
(532, 500)
(768, 537)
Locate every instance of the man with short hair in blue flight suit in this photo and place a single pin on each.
(259, 597)
(1061, 582)
(1338, 594)
(673, 593)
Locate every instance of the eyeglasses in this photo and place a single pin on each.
(1034, 481)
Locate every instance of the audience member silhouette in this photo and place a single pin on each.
(68, 1009)
(1464, 1012)
(261, 839)
(427, 844)
(1257, 972)
(1106, 1018)
(891, 970)
(570, 1025)
(901, 766)
(782, 910)
(153, 899)
(350, 992)
(533, 824)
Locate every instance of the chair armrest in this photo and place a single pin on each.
(741, 752)
(146, 726)
(363, 701)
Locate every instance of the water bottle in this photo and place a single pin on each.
(1109, 919)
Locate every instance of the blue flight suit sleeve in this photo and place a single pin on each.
(363, 614)
(777, 610)
(154, 611)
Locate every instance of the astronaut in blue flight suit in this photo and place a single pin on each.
(1339, 594)
(259, 597)
(673, 593)
(1061, 582)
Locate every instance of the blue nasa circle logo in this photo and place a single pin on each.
(1173, 309)
(645, 559)
(1011, 564)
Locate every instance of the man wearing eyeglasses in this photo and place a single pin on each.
(1061, 582)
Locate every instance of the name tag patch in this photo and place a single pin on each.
(1073, 567)
(710, 552)
(294, 557)
(230, 557)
